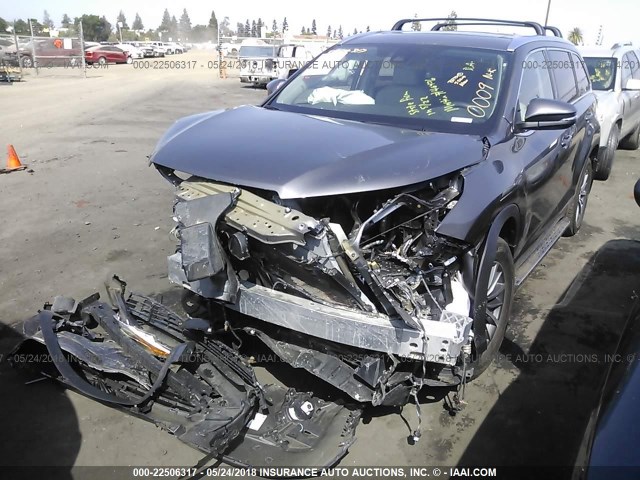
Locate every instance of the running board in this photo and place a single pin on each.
(539, 250)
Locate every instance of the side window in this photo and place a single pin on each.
(560, 64)
(535, 82)
(581, 74)
(626, 69)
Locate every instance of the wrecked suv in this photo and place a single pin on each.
(371, 230)
(393, 195)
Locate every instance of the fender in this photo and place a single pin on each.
(482, 278)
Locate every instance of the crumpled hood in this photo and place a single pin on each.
(300, 155)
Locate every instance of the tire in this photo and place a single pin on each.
(578, 205)
(26, 62)
(129, 59)
(632, 141)
(102, 61)
(607, 154)
(499, 299)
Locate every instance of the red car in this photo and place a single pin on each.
(104, 54)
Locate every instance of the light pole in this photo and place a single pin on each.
(546, 19)
(120, 29)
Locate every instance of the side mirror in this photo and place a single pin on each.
(292, 71)
(547, 114)
(636, 192)
(274, 85)
(632, 84)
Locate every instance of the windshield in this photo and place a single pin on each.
(602, 72)
(257, 51)
(421, 85)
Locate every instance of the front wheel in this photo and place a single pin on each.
(129, 59)
(607, 154)
(578, 207)
(499, 299)
(102, 61)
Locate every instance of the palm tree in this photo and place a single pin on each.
(575, 36)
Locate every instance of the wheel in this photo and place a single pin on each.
(579, 203)
(129, 59)
(102, 61)
(26, 62)
(632, 141)
(607, 154)
(499, 300)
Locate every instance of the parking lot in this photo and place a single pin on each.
(92, 206)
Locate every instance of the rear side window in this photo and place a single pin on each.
(581, 74)
(561, 66)
(535, 82)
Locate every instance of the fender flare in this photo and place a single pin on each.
(482, 277)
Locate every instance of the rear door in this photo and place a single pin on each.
(573, 140)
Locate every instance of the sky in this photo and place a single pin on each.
(619, 18)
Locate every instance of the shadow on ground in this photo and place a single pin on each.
(541, 417)
(39, 423)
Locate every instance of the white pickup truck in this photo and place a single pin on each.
(259, 64)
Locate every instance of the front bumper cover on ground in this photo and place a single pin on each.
(138, 355)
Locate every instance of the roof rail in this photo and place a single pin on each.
(555, 30)
(539, 29)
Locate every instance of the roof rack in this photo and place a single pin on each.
(539, 29)
(555, 30)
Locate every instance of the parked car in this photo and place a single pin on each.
(172, 48)
(615, 77)
(133, 53)
(414, 180)
(105, 54)
(160, 48)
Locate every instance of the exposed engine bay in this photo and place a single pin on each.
(362, 282)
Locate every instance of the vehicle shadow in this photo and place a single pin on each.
(541, 417)
(40, 425)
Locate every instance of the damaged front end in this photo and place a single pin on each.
(135, 354)
(358, 289)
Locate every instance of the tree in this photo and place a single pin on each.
(329, 31)
(185, 24)
(201, 33)
(173, 29)
(165, 24)
(46, 20)
(355, 31)
(314, 28)
(274, 27)
(225, 28)
(123, 19)
(96, 29)
(340, 34)
(285, 25)
(259, 26)
(21, 27)
(451, 25)
(335, 33)
(575, 36)
(416, 26)
(303, 31)
(137, 23)
(254, 29)
(3, 25)
(247, 28)
(213, 25)
(66, 21)
(240, 28)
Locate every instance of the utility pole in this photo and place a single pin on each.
(546, 19)
(120, 30)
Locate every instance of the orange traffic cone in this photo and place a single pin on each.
(13, 161)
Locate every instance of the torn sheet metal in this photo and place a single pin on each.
(137, 355)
